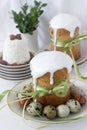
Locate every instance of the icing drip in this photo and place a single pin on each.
(35, 84)
(65, 21)
(51, 78)
(55, 33)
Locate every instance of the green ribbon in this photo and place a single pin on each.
(3, 94)
(60, 90)
(58, 43)
(76, 69)
(69, 44)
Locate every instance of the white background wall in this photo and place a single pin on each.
(7, 26)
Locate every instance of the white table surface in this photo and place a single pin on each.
(11, 121)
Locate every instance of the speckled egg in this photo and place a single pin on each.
(49, 112)
(20, 95)
(34, 109)
(74, 105)
(63, 110)
(27, 88)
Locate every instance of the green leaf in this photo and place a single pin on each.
(3, 94)
(40, 12)
(24, 8)
(43, 5)
(37, 4)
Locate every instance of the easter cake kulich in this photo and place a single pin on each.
(64, 28)
(47, 68)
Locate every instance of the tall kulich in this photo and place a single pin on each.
(64, 28)
(48, 69)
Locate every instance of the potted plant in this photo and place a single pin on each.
(27, 21)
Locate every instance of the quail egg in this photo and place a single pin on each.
(74, 105)
(20, 94)
(27, 88)
(49, 112)
(34, 109)
(63, 110)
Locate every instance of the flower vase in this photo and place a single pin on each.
(32, 41)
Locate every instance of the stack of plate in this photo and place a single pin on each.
(15, 72)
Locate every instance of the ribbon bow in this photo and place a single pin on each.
(60, 90)
(13, 37)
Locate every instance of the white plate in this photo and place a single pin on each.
(15, 76)
(16, 108)
(15, 73)
(19, 72)
(14, 67)
(83, 49)
(17, 79)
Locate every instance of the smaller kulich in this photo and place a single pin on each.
(15, 51)
(48, 68)
(64, 28)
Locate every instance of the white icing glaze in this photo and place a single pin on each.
(55, 33)
(15, 51)
(51, 78)
(35, 82)
(49, 61)
(65, 21)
